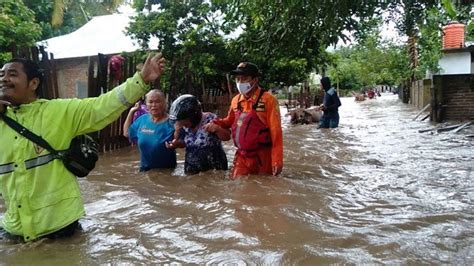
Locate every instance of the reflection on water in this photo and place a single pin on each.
(372, 191)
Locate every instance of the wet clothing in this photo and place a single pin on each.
(249, 132)
(252, 164)
(41, 195)
(330, 118)
(151, 138)
(269, 152)
(67, 231)
(329, 122)
(204, 150)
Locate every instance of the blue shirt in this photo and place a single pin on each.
(204, 150)
(151, 138)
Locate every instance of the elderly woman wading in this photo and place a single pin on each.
(150, 131)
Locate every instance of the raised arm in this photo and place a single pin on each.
(153, 68)
(92, 114)
(129, 119)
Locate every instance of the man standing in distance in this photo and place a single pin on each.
(330, 106)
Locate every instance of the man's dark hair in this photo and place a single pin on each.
(326, 82)
(32, 71)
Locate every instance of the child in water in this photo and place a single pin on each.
(202, 139)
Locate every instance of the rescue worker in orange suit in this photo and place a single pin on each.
(254, 117)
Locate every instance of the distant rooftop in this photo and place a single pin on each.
(102, 34)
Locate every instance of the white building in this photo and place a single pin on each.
(457, 61)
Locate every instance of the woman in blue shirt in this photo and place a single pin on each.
(151, 131)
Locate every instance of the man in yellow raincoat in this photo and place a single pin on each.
(42, 197)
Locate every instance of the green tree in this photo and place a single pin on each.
(17, 27)
(470, 31)
(421, 22)
(58, 17)
(190, 39)
(430, 44)
(298, 30)
(60, 8)
(369, 63)
(408, 15)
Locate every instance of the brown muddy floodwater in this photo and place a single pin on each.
(372, 191)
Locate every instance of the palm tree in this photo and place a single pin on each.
(61, 6)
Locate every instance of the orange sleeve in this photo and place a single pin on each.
(274, 124)
(227, 121)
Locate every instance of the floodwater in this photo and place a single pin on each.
(372, 191)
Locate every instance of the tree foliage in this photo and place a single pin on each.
(287, 39)
(25, 22)
(203, 40)
(190, 39)
(58, 17)
(368, 63)
(470, 31)
(421, 21)
(295, 31)
(17, 27)
(430, 42)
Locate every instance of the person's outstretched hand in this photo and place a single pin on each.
(153, 67)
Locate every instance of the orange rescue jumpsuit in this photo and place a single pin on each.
(268, 111)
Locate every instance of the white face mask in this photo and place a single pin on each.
(244, 87)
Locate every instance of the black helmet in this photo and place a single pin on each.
(186, 106)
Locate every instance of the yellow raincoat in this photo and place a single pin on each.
(41, 195)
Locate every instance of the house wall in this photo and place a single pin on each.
(472, 62)
(420, 93)
(456, 63)
(453, 97)
(72, 76)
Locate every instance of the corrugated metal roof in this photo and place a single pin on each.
(102, 34)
